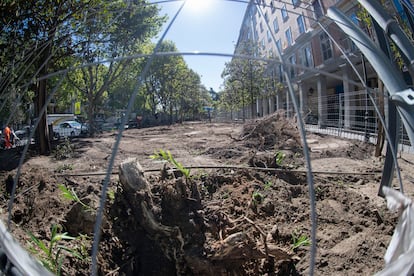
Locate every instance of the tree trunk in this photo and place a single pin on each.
(42, 128)
(42, 133)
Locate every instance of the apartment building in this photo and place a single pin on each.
(323, 65)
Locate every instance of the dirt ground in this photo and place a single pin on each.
(245, 210)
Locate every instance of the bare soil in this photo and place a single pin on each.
(238, 214)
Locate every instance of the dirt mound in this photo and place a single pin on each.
(272, 132)
(219, 221)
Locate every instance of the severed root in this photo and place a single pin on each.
(180, 231)
(138, 193)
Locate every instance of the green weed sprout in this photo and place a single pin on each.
(111, 195)
(280, 156)
(257, 197)
(298, 241)
(268, 185)
(71, 195)
(51, 256)
(167, 156)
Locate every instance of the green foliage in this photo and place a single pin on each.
(167, 156)
(83, 246)
(51, 254)
(268, 185)
(111, 195)
(299, 240)
(279, 156)
(257, 197)
(88, 32)
(71, 195)
(245, 80)
(173, 87)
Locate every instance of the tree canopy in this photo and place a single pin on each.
(245, 81)
(56, 53)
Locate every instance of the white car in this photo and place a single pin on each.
(67, 129)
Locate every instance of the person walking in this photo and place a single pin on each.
(7, 135)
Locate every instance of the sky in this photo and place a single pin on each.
(206, 26)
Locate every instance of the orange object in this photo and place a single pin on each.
(7, 133)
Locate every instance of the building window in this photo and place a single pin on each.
(317, 9)
(292, 60)
(269, 36)
(279, 45)
(284, 13)
(301, 24)
(263, 44)
(261, 27)
(326, 46)
(266, 17)
(295, 3)
(306, 58)
(272, 6)
(275, 25)
(289, 39)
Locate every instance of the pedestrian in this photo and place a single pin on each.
(7, 135)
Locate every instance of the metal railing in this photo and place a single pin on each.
(350, 116)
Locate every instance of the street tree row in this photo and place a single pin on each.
(54, 53)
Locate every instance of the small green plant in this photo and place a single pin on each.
(280, 156)
(268, 185)
(111, 195)
(167, 156)
(299, 240)
(71, 195)
(51, 255)
(83, 245)
(257, 197)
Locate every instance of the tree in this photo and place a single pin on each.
(127, 35)
(171, 86)
(190, 94)
(42, 33)
(250, 78)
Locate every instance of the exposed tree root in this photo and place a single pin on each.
(181, 230)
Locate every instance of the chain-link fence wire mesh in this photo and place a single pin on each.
(363, 118)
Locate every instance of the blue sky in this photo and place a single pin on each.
(205, 26)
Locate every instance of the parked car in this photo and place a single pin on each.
(67, 129)
(23, 136)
